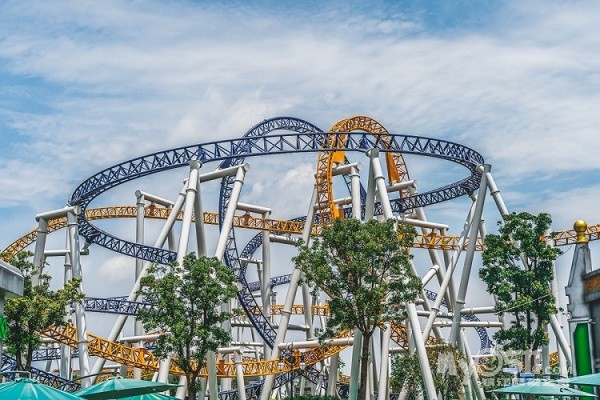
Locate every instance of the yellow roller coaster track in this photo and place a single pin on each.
(144, 359)
(326, 160)
(430, 241)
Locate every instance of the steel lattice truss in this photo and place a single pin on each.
(259, 141)
(9, 364)
(256, 142)
(231, 150)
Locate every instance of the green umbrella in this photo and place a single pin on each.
(117, 388)
(591, 380)
(151, 396)
(30, 389)
(543, 388)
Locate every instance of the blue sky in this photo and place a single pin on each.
(84, 85)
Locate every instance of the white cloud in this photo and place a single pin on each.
(90, 84)
(117, 269)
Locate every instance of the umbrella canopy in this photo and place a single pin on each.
(591, 380)
(30, 389)
(117, 388)
(151, 396)
(543, 388)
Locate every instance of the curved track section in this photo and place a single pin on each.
(307, 138)
(144, 359)
(9, 364)
(255, 146)
(231, 256)
(293, 226)
(326, 161)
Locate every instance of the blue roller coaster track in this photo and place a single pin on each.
(260, 141)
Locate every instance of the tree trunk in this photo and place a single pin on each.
(29, 356)
(191, 387)
(364, 366)
(19, 357)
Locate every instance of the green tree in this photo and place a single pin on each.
(518, 269)
(38, 309)
(365, 270)
(448, 366)
(187, 302)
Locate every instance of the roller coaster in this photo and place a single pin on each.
(273, 353)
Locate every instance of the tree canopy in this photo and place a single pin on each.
(186, 307)
(365, 270)
(448, 366)
(518, 268)
(37, 309)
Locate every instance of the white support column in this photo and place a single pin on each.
(466, 273)
(188, 211)
(190, 195)
(230, 211)
(562, 358)
(199, 220)
(563, 344)
(356, 214)
(182, 389)
(355, 188)
(473, 375)
(333, 373)
(495, 192)
(379, 180)
(40, 247)
(121, 319)
(447, 278)
(211, 365)
(308, 314)
(82, 344)
(239, 372)
(266, 278)
(138, 328)
(413, 322)
(289, 301)
(383, 387)
(65, 351)
(370, 200)
(219, 252)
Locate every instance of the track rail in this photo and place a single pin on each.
(326, 161)
(294, 226)
(256, 142)
(228, 150)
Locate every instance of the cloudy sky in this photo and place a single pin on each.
(88, 84)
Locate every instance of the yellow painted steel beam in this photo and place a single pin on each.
(326, 160)
(430, 241)
(142, 358)
(569, 236)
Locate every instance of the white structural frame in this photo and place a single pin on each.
(425, 317)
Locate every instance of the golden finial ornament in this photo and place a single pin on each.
(580, 227)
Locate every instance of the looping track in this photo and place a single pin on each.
(228, 150)
(260, 141)
(326, 160)
(256, 142)
(355, 134)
